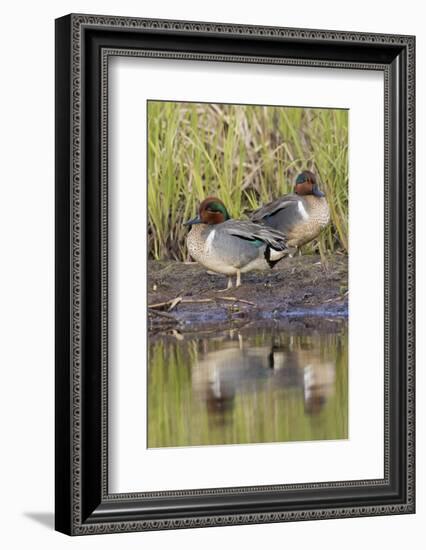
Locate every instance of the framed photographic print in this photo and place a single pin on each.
(234, 274)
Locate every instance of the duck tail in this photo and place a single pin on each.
(273, 256)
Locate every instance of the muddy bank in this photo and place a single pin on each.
(298, 290)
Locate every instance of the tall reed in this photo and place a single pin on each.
(247, 155)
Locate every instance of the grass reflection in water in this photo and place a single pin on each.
(264, 386)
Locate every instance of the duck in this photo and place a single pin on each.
(231, 246)
(301, 215)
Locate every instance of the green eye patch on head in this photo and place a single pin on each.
(301, 178)
(217, 207)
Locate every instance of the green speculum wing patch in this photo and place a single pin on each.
(255, 242)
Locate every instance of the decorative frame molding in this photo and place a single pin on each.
(84, 43)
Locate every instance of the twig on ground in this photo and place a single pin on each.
(160, 305)
(337, 298)
(196, 301)
(175, 302)
(171, 304)
(231, 298)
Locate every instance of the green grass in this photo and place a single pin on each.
(247, 156)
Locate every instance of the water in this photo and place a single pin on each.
(249, 386)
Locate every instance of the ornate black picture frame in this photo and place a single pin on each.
(84, 44)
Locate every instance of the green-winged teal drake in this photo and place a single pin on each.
(231, 246)
(301, 215)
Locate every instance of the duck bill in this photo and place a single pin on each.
(317, 192)
(193, 221)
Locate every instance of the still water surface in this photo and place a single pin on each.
(248, 386)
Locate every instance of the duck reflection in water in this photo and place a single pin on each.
(220, 375)
(308, 370)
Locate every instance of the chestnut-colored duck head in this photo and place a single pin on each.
(306, 184)
(211, 212)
